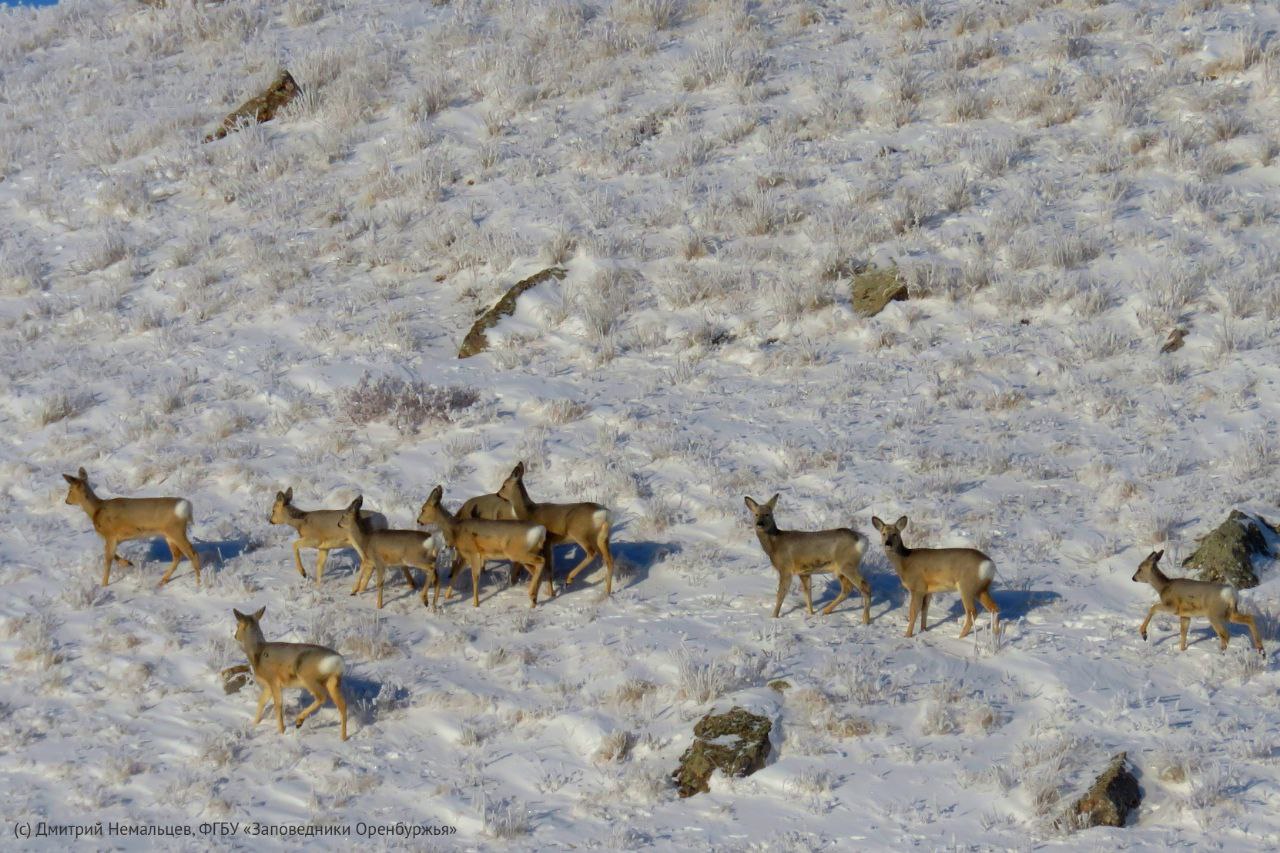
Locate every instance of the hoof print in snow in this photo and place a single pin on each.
(874, 289)
(1226, 554)
(234, 678)
(736, 743)
(476, 341)
(261, 108)
(1111, 798)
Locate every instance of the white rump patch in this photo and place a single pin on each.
(1229, 596)
(536, 536)
(986, 570)
(182, 509)
(601, 517)
(331, 665)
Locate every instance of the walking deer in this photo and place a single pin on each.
(806, 553)
(380, 549)
(476, 540)
(924, 571)
(584, 524)
(317, 528)
(120, 519)
(276, 666)
(1186, 598)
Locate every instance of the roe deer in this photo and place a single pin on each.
(476, 540)
(380, 549)
(119, 519)
(584, 524)
(280, 665)
(317, 528)
(806, 553)
(493, 507)
(1186, 598)
(924, 571)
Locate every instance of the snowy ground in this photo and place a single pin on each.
(1062, 184)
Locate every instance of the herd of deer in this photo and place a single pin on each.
(509, 526)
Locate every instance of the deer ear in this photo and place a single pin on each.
(258, 615)
(240, 617)
(751, 505)
(70, 479)
(773, 501)
(518, 471)
(288, 494)
(901, 523)
(877, 523)
(356, 504)
(84, 475)
(1157, 555)
(437, 495)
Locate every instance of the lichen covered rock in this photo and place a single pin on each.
(476, 341)
(736, 743)
(1112, 797)
(1226, 554)
(874, 289)
(260, 108)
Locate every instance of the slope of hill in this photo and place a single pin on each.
(1060, 184)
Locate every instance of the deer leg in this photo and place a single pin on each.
(176, 554)
(477, 566)
(262, 704)
(410, 579)
(602, 544)
(924, 611)
(970, 611)
(317, 702)
(865, 589)
(277, 700)
(1142, 630)
(455, 571)
(912, 609)
(589, 555)
(320, 561)
(110, 547)
(784, 583)
(334, 686)
(1245, 619)
(846, 587)
(992, 608)
(805, 582)
(1220, 628)
(1184, 623)
(382, 575)
(362, 575)
(185, 544)
(297, 557)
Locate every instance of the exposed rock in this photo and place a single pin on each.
(874, 289)
(1111, 798)
(262, 107)
(1174, 343)
(735, 743)
(476, 341)
(235, 677)
(1226, 554)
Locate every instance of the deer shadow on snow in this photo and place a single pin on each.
(213, 555)
(888, 596)
(632, 563)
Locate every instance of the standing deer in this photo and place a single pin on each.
(806, 553)
(924, 571)
(317, 528)
(120, 519)
(493, 507)
(476, 540)
(380, 549)
(280, 665)
(1186, 597)
(584, 524)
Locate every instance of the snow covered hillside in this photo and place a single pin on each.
(1061, 184)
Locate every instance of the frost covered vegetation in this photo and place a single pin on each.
(1060, 183)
